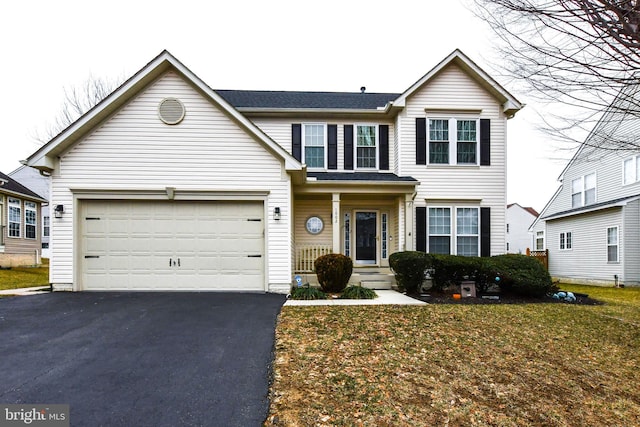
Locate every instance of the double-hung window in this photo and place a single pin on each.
(467, 231)
(1, 220)
(439, 230)
(612, 244)
(539, 240)
(566, 241)
(631, 170)
(459, 147)
(366, 146)
(15, 216)
(583, 191)
(315, 145)
(30, 220)
(46, 226)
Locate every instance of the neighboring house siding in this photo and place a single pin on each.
(518, 236)
(631, 249)
(589, 242)
(33, 180)
(207, 151)
(451, 92)
(22, 245)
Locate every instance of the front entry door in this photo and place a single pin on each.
(366, 237)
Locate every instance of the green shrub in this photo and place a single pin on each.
(451, 270)
(358, 292)
(410, 268)
(522, 275)
(306, 292)
(333, 271)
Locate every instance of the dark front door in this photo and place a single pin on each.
(366, 232)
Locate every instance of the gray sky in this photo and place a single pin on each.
(273, 45)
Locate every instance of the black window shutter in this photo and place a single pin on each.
(421, 229)
(296, 141)
(485, 142)
(421, 141)
(485, 231)
(383, 133)
(332, 140)
(348, 147)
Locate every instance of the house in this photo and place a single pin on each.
(519, 220)
(168, 184)
(591, 225)
(38, 183)
(20, 229)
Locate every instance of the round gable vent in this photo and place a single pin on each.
(171, 111)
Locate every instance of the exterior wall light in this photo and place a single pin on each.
(276, 214)
(58, 211)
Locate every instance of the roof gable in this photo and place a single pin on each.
(10, 186)
(44, 158)
(510, 105)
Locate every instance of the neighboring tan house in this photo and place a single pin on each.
(168, 184)
(519, 220)
(591, 226)
(39, 184)
(20, 233)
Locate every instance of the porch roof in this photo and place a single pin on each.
(362, 177)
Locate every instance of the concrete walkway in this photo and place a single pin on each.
(385, 297)
(25, 291)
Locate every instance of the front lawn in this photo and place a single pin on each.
(25, 277)
(460, 365)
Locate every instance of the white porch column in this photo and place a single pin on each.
(335, 226)
(409, 241)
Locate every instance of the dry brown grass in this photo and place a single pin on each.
(455, 365)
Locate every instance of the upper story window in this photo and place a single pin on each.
(315, 145)
(30, 220)
(583, 191)
(459, 147)
(366, 146)
(631, 170)
(15, 214)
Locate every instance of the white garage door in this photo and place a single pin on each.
(162, 245)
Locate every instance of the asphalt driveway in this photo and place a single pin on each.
(145, 359)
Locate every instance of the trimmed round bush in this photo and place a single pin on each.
(522, 275)
(410, 268)
(333, 271)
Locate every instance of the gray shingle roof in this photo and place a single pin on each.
(14, 186)
(588, 208)
(306, 100)
(360, 176)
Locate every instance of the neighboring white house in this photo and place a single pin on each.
(519, 220)
(168, 184)
(39, 184)
(591, 226)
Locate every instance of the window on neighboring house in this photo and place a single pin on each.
(539, 240)
(314, 137)
(612, 244)
(45, 245)
(439, 141)
(459, 147)
(566, 241)
(467, 231)
(366, 146)
(30, 221)
(439, 230)
(507, 227)
(46, 224)
(583, 191)
(1, 220)
(15, 214)
(631, 170)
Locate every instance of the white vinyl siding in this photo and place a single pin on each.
(452, 93)
(206, 152)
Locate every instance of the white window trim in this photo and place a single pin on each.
(634, 160)
(535, 241)
(325, 143)
(355, 146)
(617, 245)
(453, 227)
(568, 245)
(9, 222)
(33, 209)
(453, 140)
(2, 224)
(583, 189)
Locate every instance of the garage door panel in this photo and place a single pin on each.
(139, 243)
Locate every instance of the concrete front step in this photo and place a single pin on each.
(368, 279)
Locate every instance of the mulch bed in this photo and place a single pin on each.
(447, 298)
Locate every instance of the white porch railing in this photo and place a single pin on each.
(307, 254)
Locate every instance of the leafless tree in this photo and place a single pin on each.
(77, 101)
(578, 54)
